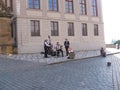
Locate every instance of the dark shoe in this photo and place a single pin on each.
(68, 57)
(108, 63)
(46, 57)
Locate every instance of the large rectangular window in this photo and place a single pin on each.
(84, 29)
(96, 32)
(53, 5)
(69, 6)
(54, 28)
(35, 28)
(34, 4)
(94, 8)
(83, 10)
(70, 29)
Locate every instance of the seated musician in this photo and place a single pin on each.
(59, 49)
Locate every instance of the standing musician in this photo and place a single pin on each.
(46, 48)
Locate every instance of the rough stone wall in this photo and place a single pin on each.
(5, 35)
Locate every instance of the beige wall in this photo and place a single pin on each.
(28, 44)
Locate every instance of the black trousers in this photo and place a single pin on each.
(46, 51)
(58, 52)
(66, 48)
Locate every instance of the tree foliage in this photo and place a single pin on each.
(117, 42)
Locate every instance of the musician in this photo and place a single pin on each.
(46, 47)
(66, 44)
(59, 49)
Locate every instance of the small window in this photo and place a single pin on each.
(83, 10)
(94, 8)
(96, 33)
(84, 29)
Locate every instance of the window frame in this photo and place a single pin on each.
(96, 30)
(53, 5)
(94, 8)
(83, 7)
(36, 32)
(68, 7)
(84, 29)
(54, 28)
(33, 4)
(71, 29)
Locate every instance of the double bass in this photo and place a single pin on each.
(50, 49)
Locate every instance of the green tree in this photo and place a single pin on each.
(117, 42)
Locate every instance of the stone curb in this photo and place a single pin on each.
(70, 60)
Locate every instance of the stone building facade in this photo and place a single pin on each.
(80, 21)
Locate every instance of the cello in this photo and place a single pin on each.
(50, 49)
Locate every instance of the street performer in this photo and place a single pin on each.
(46, 47)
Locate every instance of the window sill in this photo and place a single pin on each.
(34, 9)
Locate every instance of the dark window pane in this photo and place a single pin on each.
(53, 5)
(35, 28)
(96, 33)
(34, 4)
(83, 10)
(70, 29)
(30, 4)
(54, 28)
(94, 8)
(84, 29)
(69, 6)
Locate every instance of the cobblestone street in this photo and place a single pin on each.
(87, 74)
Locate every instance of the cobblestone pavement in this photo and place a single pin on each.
(40, 57)
(88, 74)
